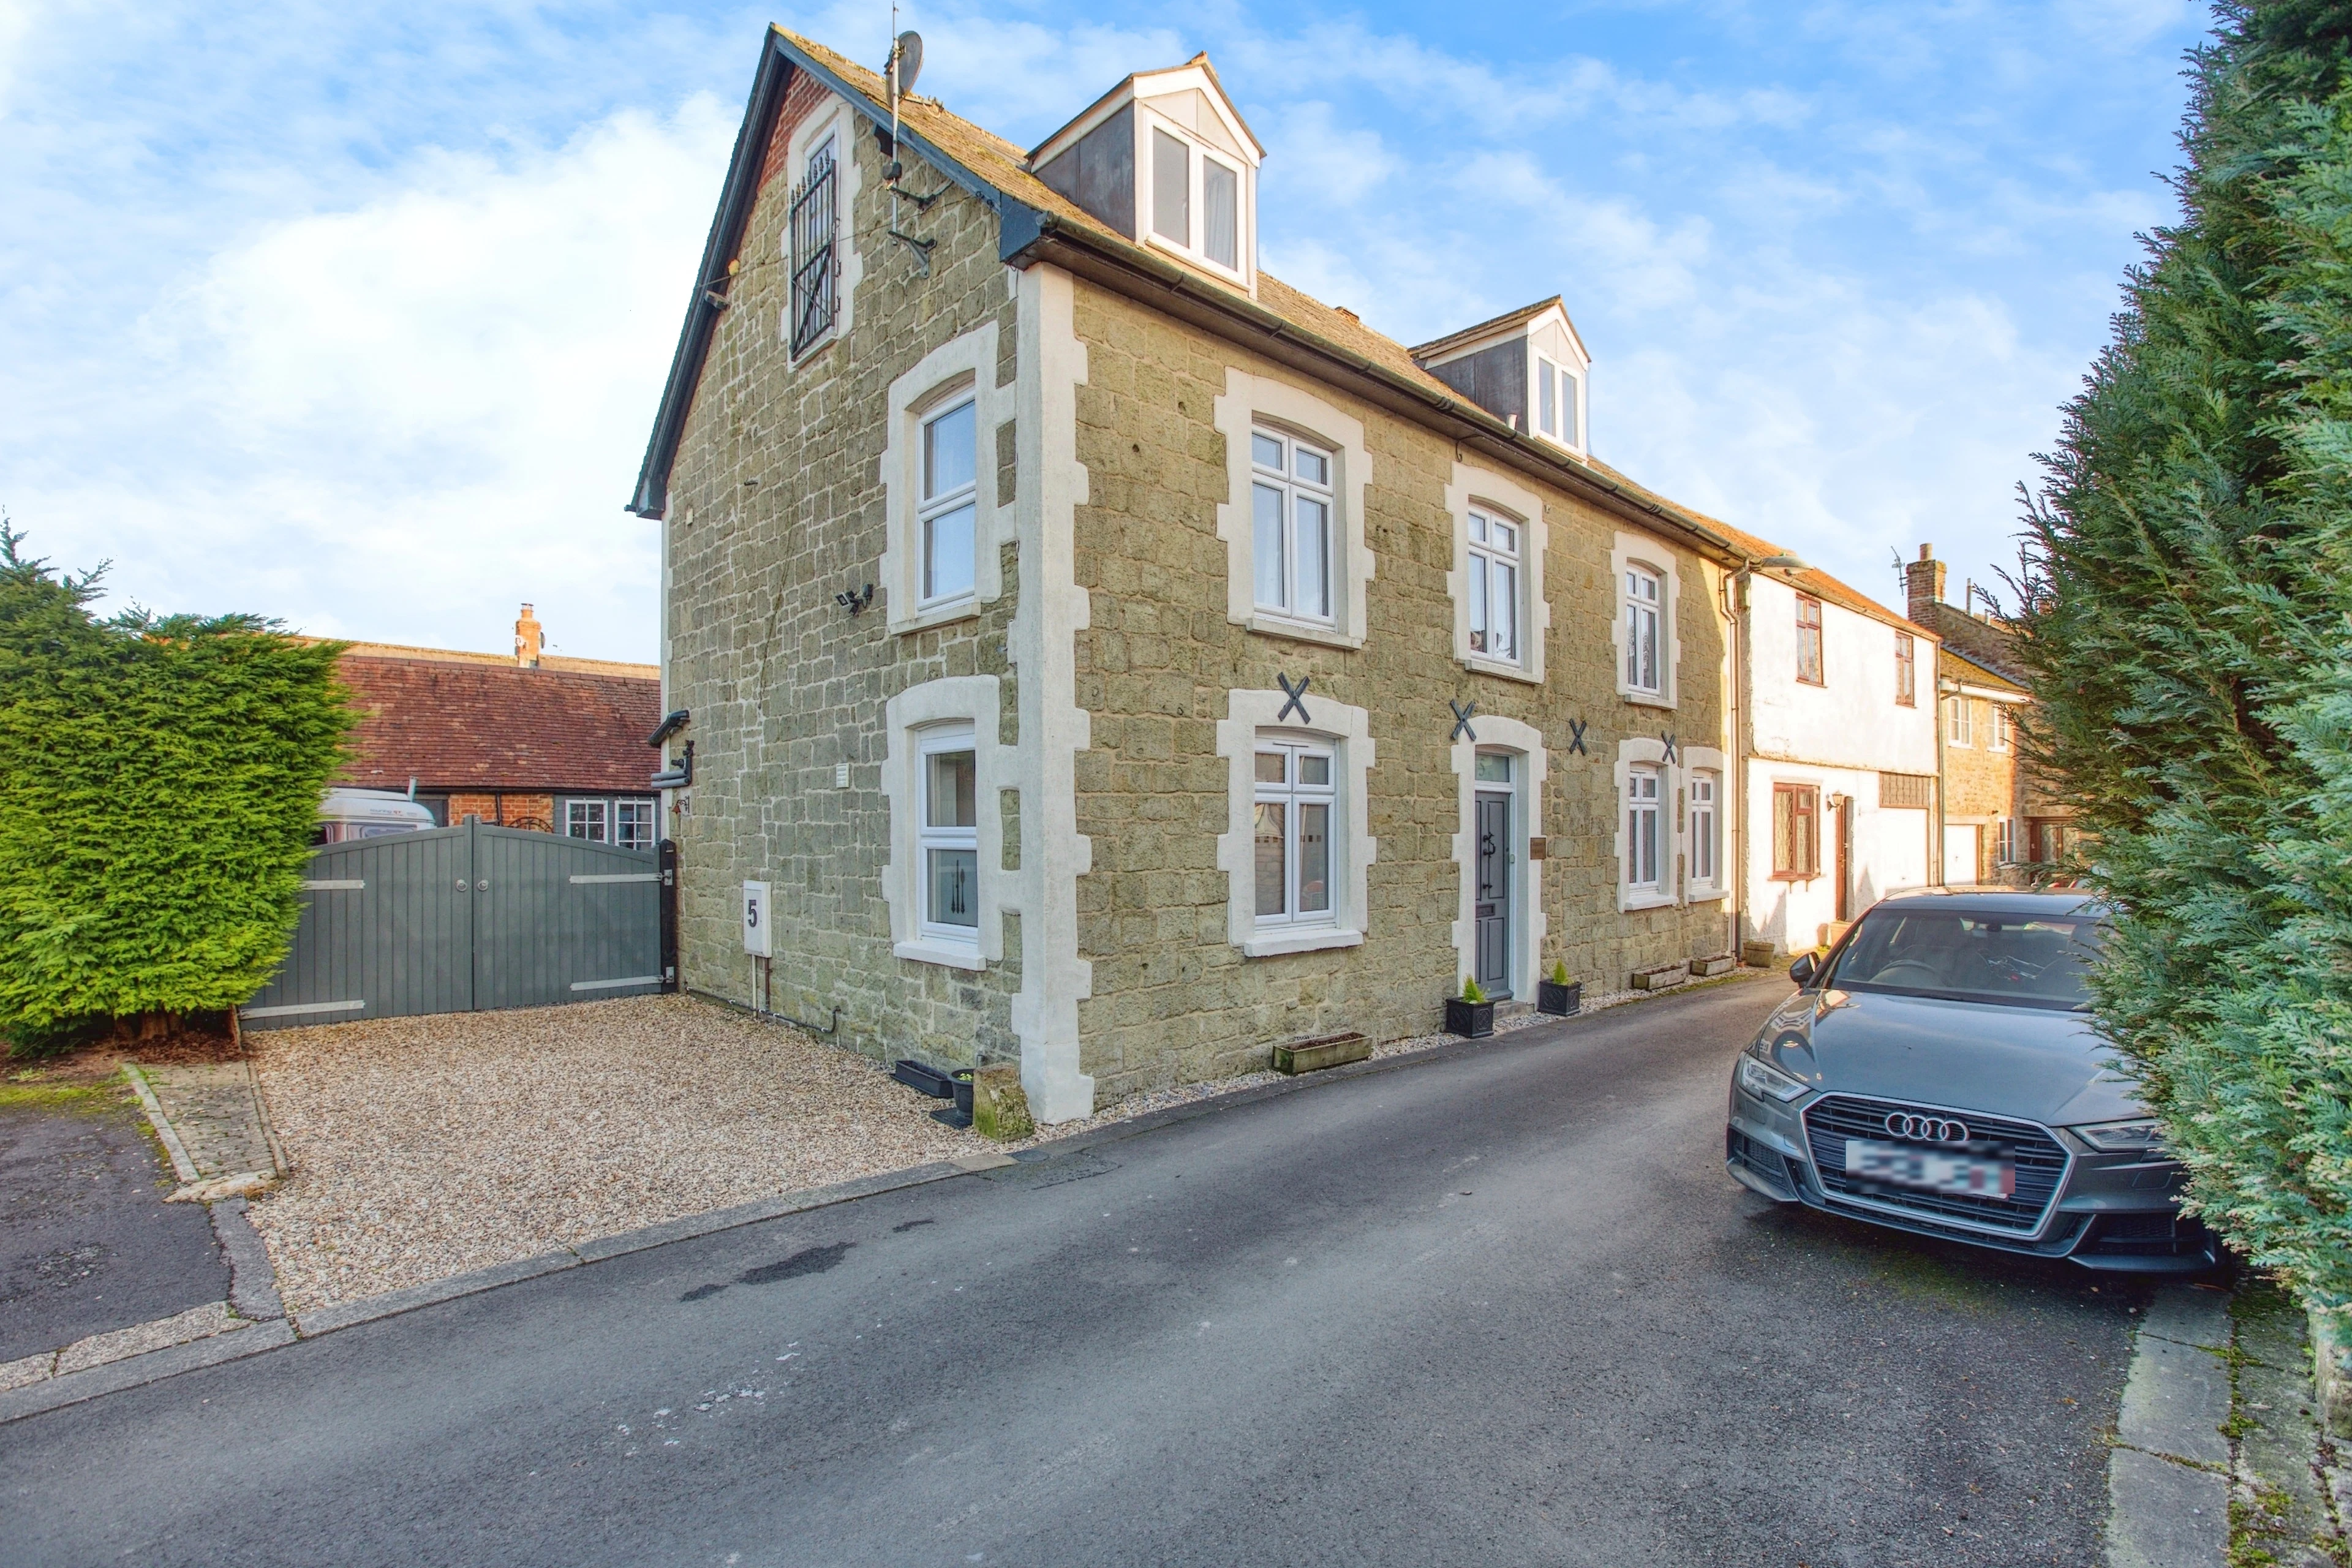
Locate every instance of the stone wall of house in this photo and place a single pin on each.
(503, 808)
(1981, 786)
(776, 504)
(1173, 999)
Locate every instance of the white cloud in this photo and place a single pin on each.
(398, 421)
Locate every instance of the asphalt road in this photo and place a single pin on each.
(87, 1242)
(1502, 1308)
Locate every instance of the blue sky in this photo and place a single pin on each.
(356, 314)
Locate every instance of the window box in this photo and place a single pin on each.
(1471, 1020)
(1559, 1001)
(1720, 963)
(1314, 1056)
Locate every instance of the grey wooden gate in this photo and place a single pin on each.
(466, 918)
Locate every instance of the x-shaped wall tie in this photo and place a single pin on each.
(1462, 721)
(1576, 737)
(1293, 697)
(1668, 737)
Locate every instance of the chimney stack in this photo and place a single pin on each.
(527, 638)
(1923, 583)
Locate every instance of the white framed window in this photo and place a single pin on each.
(947, 833)
(1644, 670)
(1706, 850)
(1960, 724)
(1296, 792)
(947, 502)
(2009, 841)
(1558, 403)
(1643, 835)
(1494, 579)
(626, 822)
(1291, 534)
(2000, 727)
(1196, 200)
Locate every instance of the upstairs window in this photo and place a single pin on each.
(1556, 402)
(1809, 639)
(813, 263)
(1906, 671)
(1195, 200)
(1641, 828)
(1291, 533)
(1960, 728)
(947, 502)
(1494, 586)
(948, 835)
(1291, 822)
(2000, 727)
(1642, 663)
(1796, 844)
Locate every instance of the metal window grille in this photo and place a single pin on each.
(813, 227)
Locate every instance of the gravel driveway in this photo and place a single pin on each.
(424, 1147)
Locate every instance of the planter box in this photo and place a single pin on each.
(1314, 1056)
(922, 1079)
(1560, 1001)
(1661, 976)
(1471, 1020)
(1721, 963)
(1757, 955)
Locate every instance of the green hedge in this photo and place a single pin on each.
(2189, 613)
(159, 782)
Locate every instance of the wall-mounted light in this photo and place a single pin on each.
(855, 599)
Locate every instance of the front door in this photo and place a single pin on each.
(1844, 842)
(1493, 910)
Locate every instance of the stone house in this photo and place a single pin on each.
(1836, 752)
(2001, 819)
(1103, 657)
(530, 740)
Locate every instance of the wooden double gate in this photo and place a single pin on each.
(472, 918)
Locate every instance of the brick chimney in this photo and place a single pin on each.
(527, 638)
(1923, 583)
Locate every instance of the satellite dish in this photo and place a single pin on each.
(910, 60)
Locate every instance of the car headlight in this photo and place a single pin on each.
(1765, 1081)
(2138, 1136)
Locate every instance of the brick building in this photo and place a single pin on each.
(1999, 819)
(532, 739)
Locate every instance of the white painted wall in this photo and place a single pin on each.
(1837, 737)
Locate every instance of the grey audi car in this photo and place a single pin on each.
(1936, 1073)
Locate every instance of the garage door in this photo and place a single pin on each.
(1961, 854)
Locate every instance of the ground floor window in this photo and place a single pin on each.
(948, 833)
(1291, 831)
(1703, 818)
(1642, 785)
(627, 821)
(1795, 837)
(2006, 837)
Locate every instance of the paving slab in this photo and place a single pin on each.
(216, 1109)
(2166, 1515)
(2177, 1402)
(2186, 1315)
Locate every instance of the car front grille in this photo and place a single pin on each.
(2040, 1164)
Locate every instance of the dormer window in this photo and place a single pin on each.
(1558, 403)
(1165, 158)
(1195, 200)
(1527, 369)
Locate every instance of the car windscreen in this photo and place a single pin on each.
(2014, 959)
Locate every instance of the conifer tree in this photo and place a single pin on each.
(2188, 613)
(160, 780)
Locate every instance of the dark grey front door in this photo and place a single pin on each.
(1492, 909)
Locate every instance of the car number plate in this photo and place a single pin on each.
(1930, 1170)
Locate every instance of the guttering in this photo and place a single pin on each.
(677, 721)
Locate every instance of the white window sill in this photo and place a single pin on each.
(1708, 895)
(1273, 944)
(939, 614)
(1648, 899)
(1267, 622)
(952, 955)
(1479, 665)
(1645, 698)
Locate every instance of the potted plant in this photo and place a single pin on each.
(1470, 1014)
(1558, 994)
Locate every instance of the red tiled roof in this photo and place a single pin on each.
(473, 726)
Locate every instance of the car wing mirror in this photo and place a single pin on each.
(1803, 970)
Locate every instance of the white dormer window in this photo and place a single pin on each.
(1558, 404)
(1196, 200)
